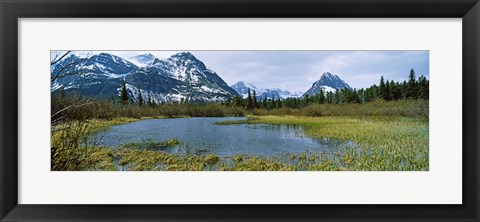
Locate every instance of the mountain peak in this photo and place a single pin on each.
(145, 55)
(327, 82)
(187, 59)
(328, 75)
(247, 84)
(184, 55)
(143, 59)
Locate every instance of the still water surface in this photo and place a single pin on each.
(203, 136)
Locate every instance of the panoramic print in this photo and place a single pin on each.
(239, 110)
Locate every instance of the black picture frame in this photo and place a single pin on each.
(12, 10)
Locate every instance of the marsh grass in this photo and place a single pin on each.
(379, 143)
(149, 144)
(382, 143)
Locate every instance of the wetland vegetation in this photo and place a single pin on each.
(378, 136)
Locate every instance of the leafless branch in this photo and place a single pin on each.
(65, 70)
(59, 57)
(71, 107)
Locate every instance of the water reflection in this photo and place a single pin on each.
(203, 136)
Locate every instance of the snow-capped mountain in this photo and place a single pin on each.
(143, 59)
(101, 65)
(242, 87)
(182, 77)
(328, 82)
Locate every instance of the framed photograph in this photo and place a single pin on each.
(239, 110)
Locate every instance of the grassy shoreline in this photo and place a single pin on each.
(383, 143)
(387, 143)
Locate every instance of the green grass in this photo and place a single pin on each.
(385, 143)
(133, 159)
(149, 144)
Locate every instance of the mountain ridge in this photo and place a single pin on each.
(181, 77)
(241, 87)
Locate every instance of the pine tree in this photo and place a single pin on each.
(422, 88)
(123, 94)
(396, 91)
(381, 88)
(322, 96)
(140, 99)
(404, 89)
(272, 103)
(361, 95)
(337, 98)
(386, 92)
(384, 89)
(412, 86)
(249, 100)
(265, 102)
(391, 90)
(254, 103)
(330, 97)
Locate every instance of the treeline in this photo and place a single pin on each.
(84, 109)
(386, 90)
(384, 99)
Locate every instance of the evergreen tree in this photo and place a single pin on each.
(322, 97)
(306, 100)
(404, 89)
(140, 99)
(361, 95)
(422, 88)
(249, 100)
(265, 102)
(123, 94)
(382, 88)
(254, 103)
(386, 91)
(391, 90)
(278, 104)
(337, 99)
(396, 91)
(412, 86)
(330, 97)
(271, 104)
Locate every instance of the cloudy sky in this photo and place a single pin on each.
(297, 70)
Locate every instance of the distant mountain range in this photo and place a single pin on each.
(242, 87)
(181, 77)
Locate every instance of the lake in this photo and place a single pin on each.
(202, 136)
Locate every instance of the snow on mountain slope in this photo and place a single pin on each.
(182, 77)
(328, 82)
(242, 87)
(143, 59)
